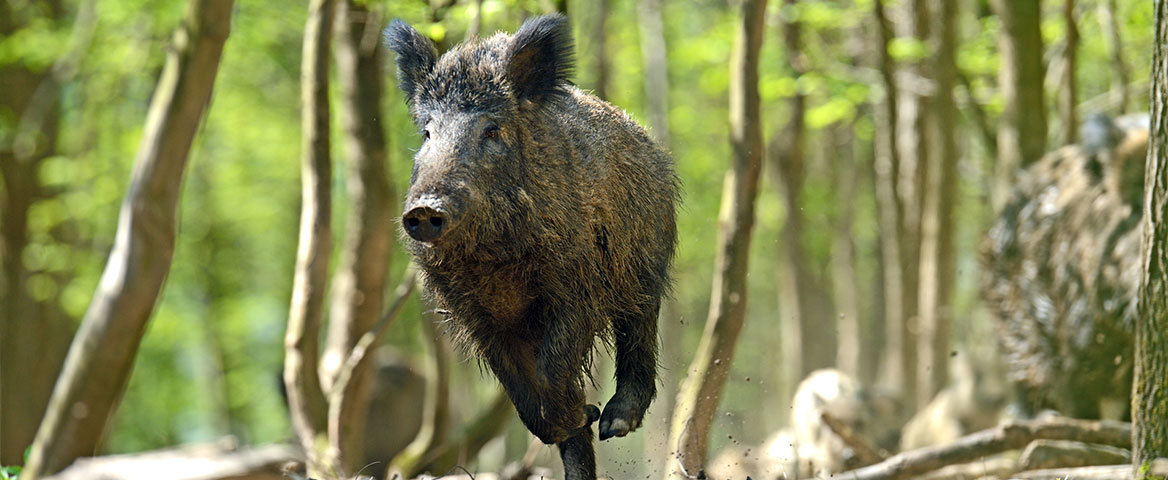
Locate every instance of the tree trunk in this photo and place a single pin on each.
(359, 285)
(98, 365)
(600, 60)
(1108, 11)
(1068, 94)
(845, 283)
(650, 20)
(306, 402)
(912, 144)
(476, 21)
(937, 264)
(432, 435)
(698, 398)
(808, 329)
(653, 52)
(886, 165)
(1149, 395)
(1022, 128)
(34, 333)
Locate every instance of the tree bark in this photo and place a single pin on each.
(808, 332)
(1150, 394)
(698, 398)
(99, 361)
(937, 259)
(845, 282)
(476, 21)
(650, 20)
(359, 284)
(600, 62)
(912, 144)
(1022, 128)
(34, 334)
(1108, 11)
(654, 54)
(1068, 88)
(886, 165)
(306, 402)
(432, 435)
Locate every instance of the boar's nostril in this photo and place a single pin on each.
(424, 224)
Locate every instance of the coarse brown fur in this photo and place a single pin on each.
(1062, 271)
(542, 218)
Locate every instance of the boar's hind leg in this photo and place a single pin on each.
(577, 455)
(636, 371)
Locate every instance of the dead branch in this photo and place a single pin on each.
(1068, 454)
(995, 440)
(998, 467)
(191, 462)
(868, 455)
(1158, 468)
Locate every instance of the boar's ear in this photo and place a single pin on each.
(415, 55)
(540, 60)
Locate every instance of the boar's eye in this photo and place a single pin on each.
(426, 134)
(492, 131)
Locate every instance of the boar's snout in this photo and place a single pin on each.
(426, 221)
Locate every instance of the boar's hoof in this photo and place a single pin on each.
(619, 418)
(591, 414)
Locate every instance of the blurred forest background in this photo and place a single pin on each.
(836, 273)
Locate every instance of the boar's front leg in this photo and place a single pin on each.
(541, 407)
(553, 412)
(636, 371)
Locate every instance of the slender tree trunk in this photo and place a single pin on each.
(34, 332)
(650, 20)
(358, 289)
(306, 402)
(1022, 129)
(600, 62)
(436, 415)
(86, 396)
(214, 251)
(886, 166)
(808, 328)
(937, 264)
(476, 21)
(912, 144)
(1068, 88)
(653, 51)
(845, 283)
(699, 394)
(1150, 394)
(1108, 11)
(873, 340)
